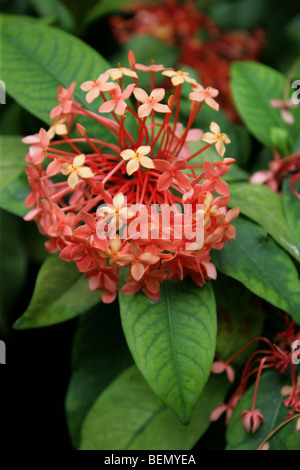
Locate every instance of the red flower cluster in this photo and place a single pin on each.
(285, 355)
(96, 199)
(202, 44)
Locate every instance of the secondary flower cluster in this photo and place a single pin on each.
(89, 182)
(282, 355)
(202, 44)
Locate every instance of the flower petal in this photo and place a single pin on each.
(132, 166)
(146, 162)
(144, 150)
(127, 154)
(79, 160)
(140, 95)
(85, 172)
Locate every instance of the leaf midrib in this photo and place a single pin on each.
(173, 349)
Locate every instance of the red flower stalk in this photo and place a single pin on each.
(134, 200)
(281, 356)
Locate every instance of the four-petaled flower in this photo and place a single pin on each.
(219, 366)
(65, 96)
(150, 102)
(58, 127)
(137, 158)
(217, 138)
(138, 261)
(209, 211)
(120, 71)
(117, 103)
(205, 94)
(171, 172)
(40, 142)
(76, 170)
(179, 77)
(94, 87)
(119, 212)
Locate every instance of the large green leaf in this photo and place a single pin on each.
(264, 206)
(99, 354)
(253, 85)
(292, 208)
(256, 261)
(240, 318)
(13, 181)
(38, 58)
(127, 415)
(13, 195)
(60, 293)
(173, 341)
(12, 158)
(270, 402)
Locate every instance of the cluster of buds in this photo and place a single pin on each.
(133, 199)
(282, 355)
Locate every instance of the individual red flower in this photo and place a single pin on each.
(252, 420)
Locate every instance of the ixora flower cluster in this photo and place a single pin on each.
(87, 189)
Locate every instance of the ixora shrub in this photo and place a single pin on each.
(138, 197)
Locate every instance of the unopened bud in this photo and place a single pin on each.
(80, 129)
(131, 59)
(171, 102)
(229, 161)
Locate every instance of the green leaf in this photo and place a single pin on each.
(12, 158)
(240, 318)
(241, 14)
(256, 261)
(103, 7)
(281, 140)
(292, 208)
(172, 341)
(56, 9)
(99, 354)
(60, 293)
(253, 85)
(38, 58)
(127, 415)
(264, 206)
(270, 402)
(13, 195)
